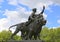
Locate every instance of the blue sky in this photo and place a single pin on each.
(53, 14)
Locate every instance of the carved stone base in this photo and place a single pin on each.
(25, 41)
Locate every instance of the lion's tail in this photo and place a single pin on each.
(12, 26)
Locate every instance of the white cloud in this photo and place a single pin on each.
(45, 16)
(36, 4)
(58, 21)
(56, 1)
(11, 14)
(12, 2)
(3, 24)
(13, 17)
(32, 3)
(54, 27)
(1, 1)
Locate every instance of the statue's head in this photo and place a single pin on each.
(41, 21)
(34, 9)
(44, 22)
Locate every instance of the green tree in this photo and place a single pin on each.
(5, 35)
(50, 35)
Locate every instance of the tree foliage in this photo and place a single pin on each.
(5, 35)
(48, 35)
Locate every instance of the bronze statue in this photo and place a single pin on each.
(40, 15)
(32, 27)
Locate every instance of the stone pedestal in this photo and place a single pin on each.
(25, 41)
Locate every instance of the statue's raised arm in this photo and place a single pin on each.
(42, 10)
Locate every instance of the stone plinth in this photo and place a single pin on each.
(25, 41)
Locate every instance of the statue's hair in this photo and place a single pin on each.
(34, 9)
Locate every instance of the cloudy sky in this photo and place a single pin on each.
(17, 11)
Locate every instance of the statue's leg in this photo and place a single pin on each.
(16, 31)
(35, 36)
(30, 37)
(27, 36)
(23, 35)
(39, 36)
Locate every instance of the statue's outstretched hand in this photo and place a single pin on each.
(43, 7)
(42, 10)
